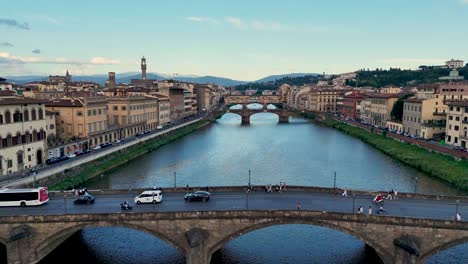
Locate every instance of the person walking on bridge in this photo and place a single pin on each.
(298, 206)
(345, 193)
(369, 210)
(458, 217)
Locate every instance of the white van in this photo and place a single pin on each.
(149, 197)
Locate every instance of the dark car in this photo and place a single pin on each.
(84, 199)
(197, 196)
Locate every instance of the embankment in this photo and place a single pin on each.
(442, 167)
(78, 176)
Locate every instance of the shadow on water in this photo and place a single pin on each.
(295, 244)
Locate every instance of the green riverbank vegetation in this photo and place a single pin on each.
(79, 176)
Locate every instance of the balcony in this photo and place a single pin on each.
(439, 114)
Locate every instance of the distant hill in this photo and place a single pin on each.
(273, 78)
(126, 77)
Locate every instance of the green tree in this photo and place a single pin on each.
(397, 110)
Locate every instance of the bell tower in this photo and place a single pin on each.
(143, 68)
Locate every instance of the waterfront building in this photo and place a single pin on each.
(365, 114)
(132, 114)
(454, 64)
(83, 118)
(352, 104)
(23, 135)
(164, 109)
(457, 124)
(419, 119)
(395, 125)
(381, 106)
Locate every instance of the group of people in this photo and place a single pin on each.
(278, 187)
(392, 194)
(80, 191)
(360, 210)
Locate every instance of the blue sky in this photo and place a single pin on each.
(242, 39)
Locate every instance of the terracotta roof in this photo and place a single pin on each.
(376, 95)
(64, 103)
(7, 93)
(414, 100)
(49, 112)
(18, 101)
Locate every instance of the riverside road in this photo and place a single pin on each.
(236, 200)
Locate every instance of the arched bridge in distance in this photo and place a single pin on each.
(264, 100)
(201, 231)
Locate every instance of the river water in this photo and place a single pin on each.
(298, 153)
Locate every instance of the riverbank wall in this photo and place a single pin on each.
(442, 167)
(77, 176)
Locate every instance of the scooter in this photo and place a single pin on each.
(123, 207)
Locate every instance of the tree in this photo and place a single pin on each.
(397, 110)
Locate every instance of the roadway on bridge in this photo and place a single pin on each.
(428, 209)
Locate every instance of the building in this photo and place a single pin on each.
(60, 79)
(395, 125)
(110, 83)
(143, 68)
(23, 135)
(454, 64)
(83, 118)
(454, 75)
(267, 92)
(381, 106)
(164, 110)
(419, 119)
(50, 124)
(132, 114)
(365, 114)
(457, 124)
(352, 104)
(4, 85)
(390, 90)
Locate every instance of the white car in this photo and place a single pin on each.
(159, 127)
(153, 196)
(71, 155)
(97, 147)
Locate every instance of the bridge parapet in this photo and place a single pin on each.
(200, 234)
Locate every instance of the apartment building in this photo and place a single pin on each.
(457, 124)
(83, 118)
(23, 135)
(352, 104)
(381, 106)
(419, 119)
(132, 114)
(454, 64)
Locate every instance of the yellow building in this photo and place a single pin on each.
(457, 124)
(83, 118)
(133, 114)
(381, 106)
(23, 135)
(419, 118)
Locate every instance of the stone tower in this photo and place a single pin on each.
(111, 80)
(143, 68)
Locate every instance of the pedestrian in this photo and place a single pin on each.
(360, 210)
(389, 195)
(188, 189)
(458, 217)
(381, 210)
(298, 206)
(395, 194)
(75, 193)
(284, 186)
(369, 210)
(345, 193)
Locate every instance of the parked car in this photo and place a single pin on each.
(85, 199)
(105, 145)
(71, 155)
(118, 141)
(153, 196)
(96, 147)
(159, 127)
(56, 160)
(198, 196)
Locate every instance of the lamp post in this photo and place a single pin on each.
(456, 208)
(354, 197)
(249, 178)
(175, 180)
(415, 184)
(334, 181)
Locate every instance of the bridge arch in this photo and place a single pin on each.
(56, 239)
(441, 248)
(385, 256)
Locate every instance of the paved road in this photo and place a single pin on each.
(432, 209)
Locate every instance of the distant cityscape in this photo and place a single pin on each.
(60, 117)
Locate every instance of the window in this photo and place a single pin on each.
(94, 112)
(123, 108)
(7, 117)
(457, 118)
(456, 128)
(51, 126)
(115, 108)
(41, 114)
(26, 115)
(100, 111)
(79, 113)
(455, 140)
(450, 117)
(9, 163)
(89, 112)
(451, 108)
(458, 108)
(19, 156)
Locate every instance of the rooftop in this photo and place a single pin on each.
(19, 101)
(463, 103)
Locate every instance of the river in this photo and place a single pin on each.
(298, 153)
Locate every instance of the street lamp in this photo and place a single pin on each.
(456, 209)
(334, 181)
(415, 184)
(175, 180)
(249, 178)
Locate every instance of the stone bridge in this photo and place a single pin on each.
(246, 113)
(198, 235)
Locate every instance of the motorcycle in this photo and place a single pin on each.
(123, 207)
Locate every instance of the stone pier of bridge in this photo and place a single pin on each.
(198, 235)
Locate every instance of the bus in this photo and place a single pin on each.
(24, 197)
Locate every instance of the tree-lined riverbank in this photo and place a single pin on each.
(434, 164)
(76, 178)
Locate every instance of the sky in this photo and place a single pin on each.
(239, 39)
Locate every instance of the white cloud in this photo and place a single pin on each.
(202, 19)
(6, 58)
(101, 60)
(235, 21)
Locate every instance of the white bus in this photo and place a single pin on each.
(23, 197)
